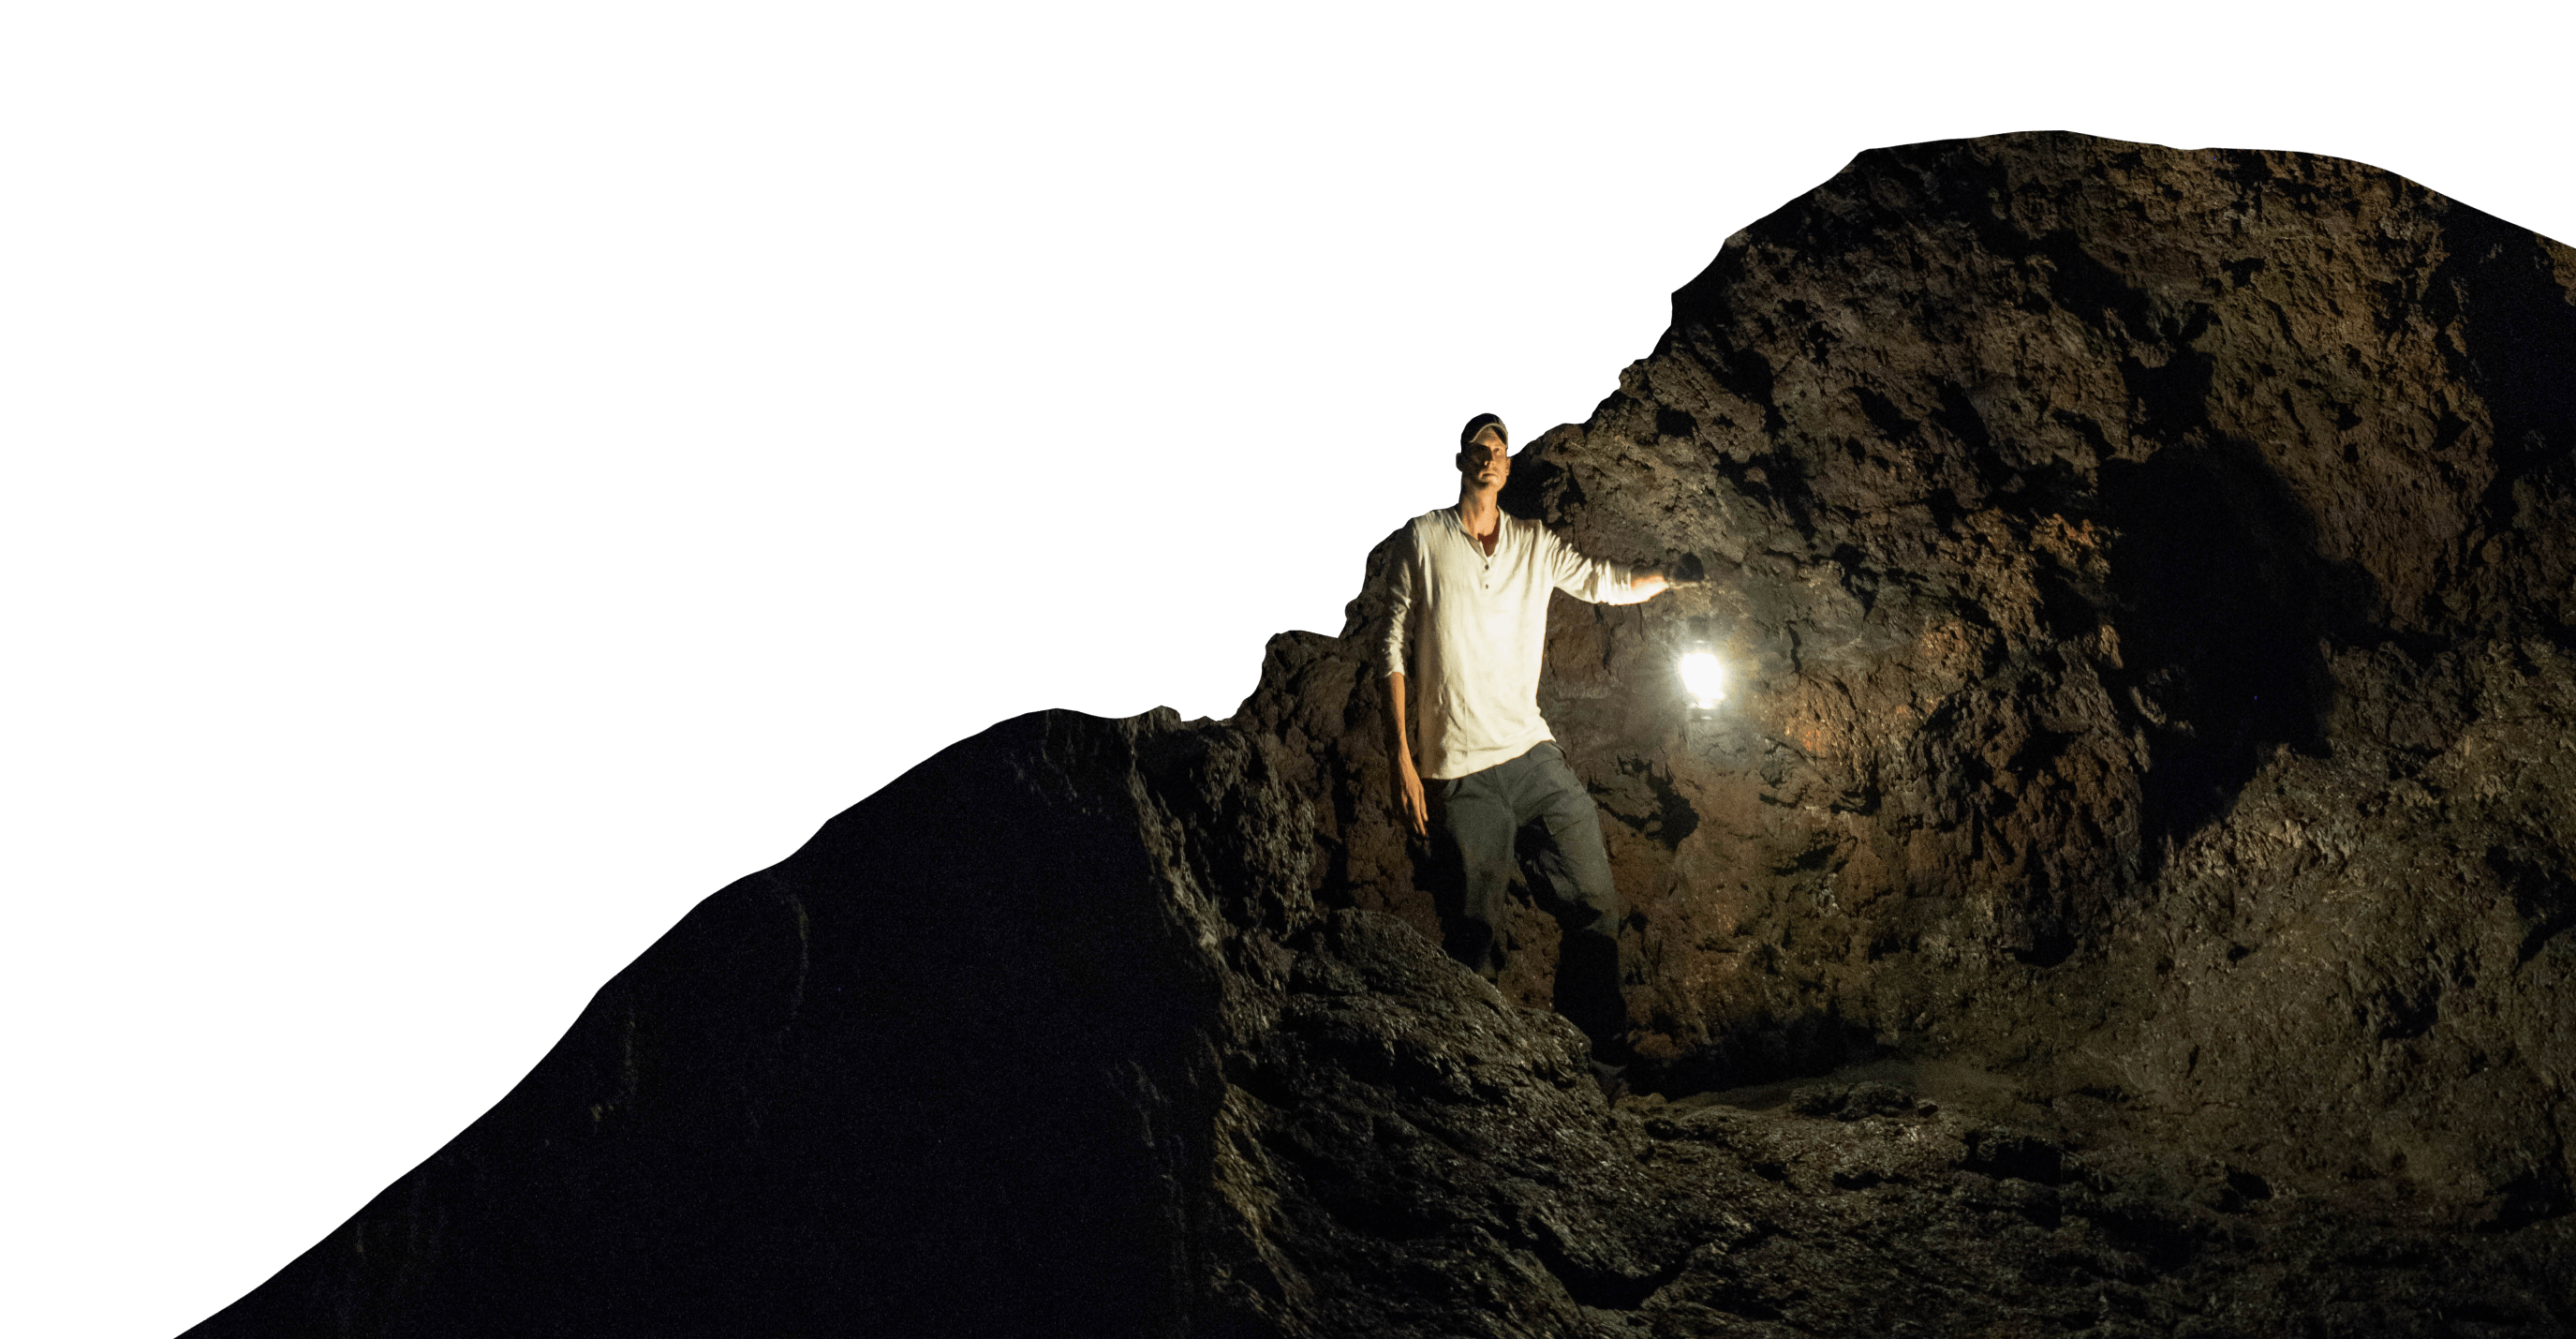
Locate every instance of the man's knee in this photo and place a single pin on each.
(1581, 862)
(1483, 880)
(1585, 881)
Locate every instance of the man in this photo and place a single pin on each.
(1466, 597)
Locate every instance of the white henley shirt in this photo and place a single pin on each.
(1477, 628)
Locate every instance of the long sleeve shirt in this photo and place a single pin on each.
(1475, 627)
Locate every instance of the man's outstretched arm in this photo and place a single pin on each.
(1598, 579)
(1408, 782)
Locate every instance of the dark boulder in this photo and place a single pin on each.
(1159, 1091)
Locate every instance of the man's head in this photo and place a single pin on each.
(1484, 452)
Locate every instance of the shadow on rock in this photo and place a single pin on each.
(2221, 604)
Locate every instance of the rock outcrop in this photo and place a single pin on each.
(2127, 889)
(2148, 579)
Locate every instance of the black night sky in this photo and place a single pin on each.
(684, 480)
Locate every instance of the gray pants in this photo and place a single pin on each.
(1534, 811)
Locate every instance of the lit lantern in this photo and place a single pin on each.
(1703, 676)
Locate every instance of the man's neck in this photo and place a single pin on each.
(1480, 513)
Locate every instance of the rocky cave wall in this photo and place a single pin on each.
(2146, 577)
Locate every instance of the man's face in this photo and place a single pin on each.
(1486, 461)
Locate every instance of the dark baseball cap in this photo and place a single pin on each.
(1467, 435)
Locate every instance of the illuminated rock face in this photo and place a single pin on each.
(2147, 580)
(2126, 890)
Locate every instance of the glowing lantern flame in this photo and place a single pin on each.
(1704, 677)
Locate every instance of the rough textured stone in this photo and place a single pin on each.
(2147, 580)
(1171, 1095)
(2126, 892)
(949, 1067)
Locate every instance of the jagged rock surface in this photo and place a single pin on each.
(2147, 575)
(949, 1069)
(1168, 1094)
(2145, 789)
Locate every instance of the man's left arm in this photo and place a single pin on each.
(1598, 579)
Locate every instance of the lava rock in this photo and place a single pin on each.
(2145, 577)
(1193, 1101)
(2126, 891)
